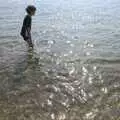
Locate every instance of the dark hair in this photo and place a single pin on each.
(30, 9)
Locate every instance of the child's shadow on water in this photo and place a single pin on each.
(32, 60)
(29, 62)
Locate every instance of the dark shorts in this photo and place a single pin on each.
(28, 40)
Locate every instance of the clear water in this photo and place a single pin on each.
(73, 73)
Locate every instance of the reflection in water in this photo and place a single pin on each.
(39, 85)
(44, 89)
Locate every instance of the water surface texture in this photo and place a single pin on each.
(73, 73)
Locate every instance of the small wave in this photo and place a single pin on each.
(97, 60)
(9, 36)
(103, 61)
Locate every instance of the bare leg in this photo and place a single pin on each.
(29, 41)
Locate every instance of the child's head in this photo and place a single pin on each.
(31, 10)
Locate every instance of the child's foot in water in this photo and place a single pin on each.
(31, 46)
(30, 43)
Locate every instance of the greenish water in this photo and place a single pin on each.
(73, 73)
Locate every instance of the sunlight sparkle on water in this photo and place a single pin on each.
(61, 116)
(105, 90)
(49, 102)
(53, 116)
(90, 80)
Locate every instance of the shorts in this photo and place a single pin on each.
(28, 40)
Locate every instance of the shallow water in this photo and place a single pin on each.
(73, 73)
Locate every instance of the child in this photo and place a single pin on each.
(26, 28)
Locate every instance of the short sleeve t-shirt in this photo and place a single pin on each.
(26, 24)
